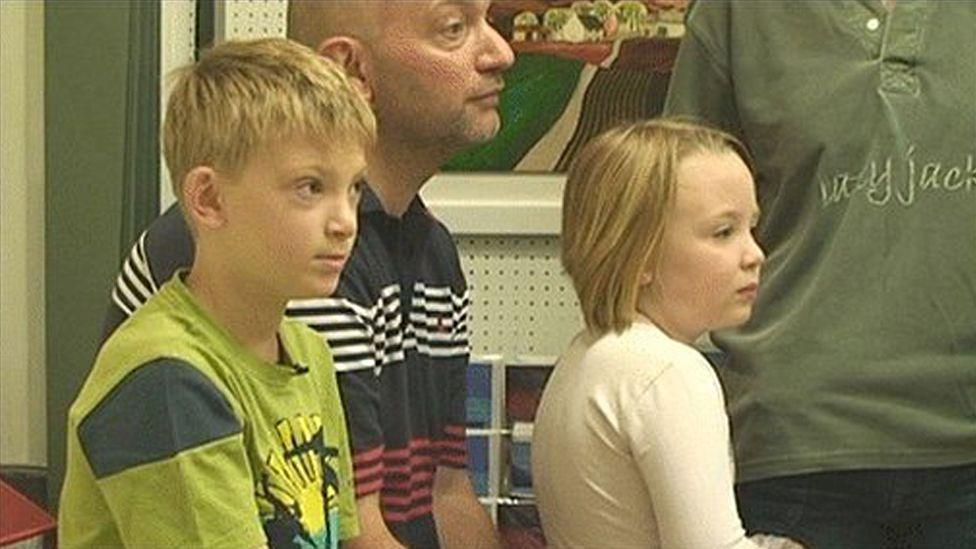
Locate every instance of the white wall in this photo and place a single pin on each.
(22, 379)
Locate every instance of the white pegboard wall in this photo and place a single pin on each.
(241, 19)
(233, 19)
(178, 20)
(178, 26)
(522, 302)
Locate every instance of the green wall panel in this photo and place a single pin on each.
(86, 48)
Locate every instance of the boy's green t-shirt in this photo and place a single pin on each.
(182, 438)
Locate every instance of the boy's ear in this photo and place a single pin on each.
(202, 198)
(349, 54)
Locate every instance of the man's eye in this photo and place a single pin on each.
(454, 29)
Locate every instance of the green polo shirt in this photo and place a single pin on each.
(861, 352)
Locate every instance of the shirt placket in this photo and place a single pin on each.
(405, 275)
(901, 44)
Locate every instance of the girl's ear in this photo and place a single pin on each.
(202, 199)
(649, 271)
(350, 54)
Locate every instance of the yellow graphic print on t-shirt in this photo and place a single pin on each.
(297, 495)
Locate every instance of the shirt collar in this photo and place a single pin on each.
(370, 203)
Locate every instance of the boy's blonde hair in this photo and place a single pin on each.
(243, 94)
(619, 191)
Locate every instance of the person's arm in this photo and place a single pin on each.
(359, 386)
(680, 441)
(373, 531)
(346, 321)
(360, 394)
(461, 520)
(166, 448)
(159, 251)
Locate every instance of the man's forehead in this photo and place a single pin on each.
(421, 7)
(312, 21)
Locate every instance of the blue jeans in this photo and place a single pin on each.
(866, 509)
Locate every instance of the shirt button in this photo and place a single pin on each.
(873, 24)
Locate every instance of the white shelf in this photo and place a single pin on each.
(497, 203)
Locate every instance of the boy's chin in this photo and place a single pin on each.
(317, 290)
(329, 290)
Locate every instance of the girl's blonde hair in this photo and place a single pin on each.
(243, 94)
(619, 191)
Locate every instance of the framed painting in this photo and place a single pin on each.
(581, 66)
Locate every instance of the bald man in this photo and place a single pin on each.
(397, 324)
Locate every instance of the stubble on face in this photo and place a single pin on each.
(426, 92)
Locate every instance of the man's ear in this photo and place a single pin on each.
(202, 199)
(349, 54)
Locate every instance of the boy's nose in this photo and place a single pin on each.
(342, 222)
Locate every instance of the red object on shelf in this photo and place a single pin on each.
(20, 518)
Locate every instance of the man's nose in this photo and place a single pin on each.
(497, 54)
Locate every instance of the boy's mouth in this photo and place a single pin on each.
(333, 261)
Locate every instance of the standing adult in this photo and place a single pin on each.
(852, 391)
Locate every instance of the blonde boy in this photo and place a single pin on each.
(433, 72)
(208, 420)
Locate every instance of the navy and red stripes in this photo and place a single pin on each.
(368, 471)
(408, 481)
(452, 450)
(405, 476)
(398, 326)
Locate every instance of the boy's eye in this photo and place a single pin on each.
(723, 232)
(309, 188)
(357, 188)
